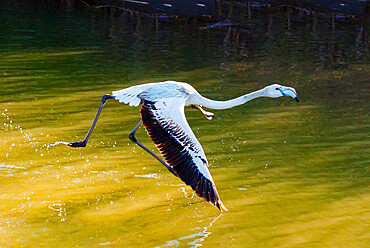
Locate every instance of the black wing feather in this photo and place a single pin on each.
(165, 137)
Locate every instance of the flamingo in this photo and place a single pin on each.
(162, 114)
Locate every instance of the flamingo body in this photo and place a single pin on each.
(164, 120)
(163, 116)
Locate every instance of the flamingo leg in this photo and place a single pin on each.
(84, 142)
(133, 139)
(208, 115)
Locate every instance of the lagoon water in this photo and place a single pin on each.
(292, 174)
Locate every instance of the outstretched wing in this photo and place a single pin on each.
(165, 123)
(152, 92)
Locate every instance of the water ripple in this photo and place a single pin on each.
(8, 170)
(196, 238)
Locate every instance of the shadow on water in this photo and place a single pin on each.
(291, 174)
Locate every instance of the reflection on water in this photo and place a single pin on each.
(290, 174)
(196, 238)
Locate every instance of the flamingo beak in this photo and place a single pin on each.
(288, 91)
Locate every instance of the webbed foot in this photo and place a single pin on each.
(77, 144)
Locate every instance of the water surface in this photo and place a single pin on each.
(292, 175)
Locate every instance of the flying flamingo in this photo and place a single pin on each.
(162, 113)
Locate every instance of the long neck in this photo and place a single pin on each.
(230, 103)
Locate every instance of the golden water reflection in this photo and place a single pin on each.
(291, 174)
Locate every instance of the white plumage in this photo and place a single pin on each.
(163, 116)
(153, 92)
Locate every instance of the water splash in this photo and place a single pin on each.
(9, 125)
(57, 143)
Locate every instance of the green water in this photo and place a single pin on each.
(292, 174)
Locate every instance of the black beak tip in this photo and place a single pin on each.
(296, 99)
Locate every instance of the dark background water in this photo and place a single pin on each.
(329, 42)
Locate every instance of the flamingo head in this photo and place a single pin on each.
(276, 90)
